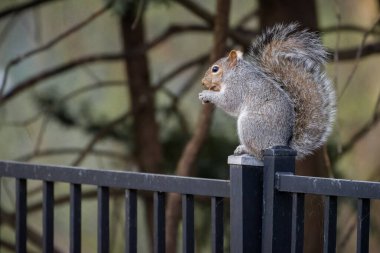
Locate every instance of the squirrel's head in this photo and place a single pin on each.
(214, 75)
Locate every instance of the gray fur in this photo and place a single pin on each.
(265, 110)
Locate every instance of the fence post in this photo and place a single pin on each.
(246, 189)
(277, 206)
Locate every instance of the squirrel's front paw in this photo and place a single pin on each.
(205, 96)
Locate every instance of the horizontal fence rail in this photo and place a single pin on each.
(266, 200)
(104, 180)
(286, 182)
(117, 179)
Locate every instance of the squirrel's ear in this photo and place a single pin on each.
(234, 56)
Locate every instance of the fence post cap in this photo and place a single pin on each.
(280, 151)
(244, 160)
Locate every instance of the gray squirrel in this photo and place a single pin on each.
(278, 92)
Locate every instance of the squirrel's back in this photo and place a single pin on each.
(294, 60)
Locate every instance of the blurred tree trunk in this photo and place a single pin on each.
(304, 12)
(276, 11)
(145, 128)
(185, 165)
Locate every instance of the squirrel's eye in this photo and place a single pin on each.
(215, 69)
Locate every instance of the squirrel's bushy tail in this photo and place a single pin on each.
(294, 60)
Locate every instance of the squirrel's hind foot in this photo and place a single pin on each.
(241, 150)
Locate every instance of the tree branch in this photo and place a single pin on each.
(347, 54)
(198, 11)
(17, 8)
(363, 131)
(7, 245)
(351, 53)
(209, 19)
(51, 43)
(32, 81)
(347, 28)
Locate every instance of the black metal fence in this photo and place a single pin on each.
(266, 204)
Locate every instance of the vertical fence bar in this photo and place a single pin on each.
(20, 215)
(362, 243)
(217, 224)
(277, 216)
(130, 221)
(329, 224)
(75, 218)
(159, 222)
(246, 187)
(188, 223)
(103, 219)
(298, 222)
(48, 217)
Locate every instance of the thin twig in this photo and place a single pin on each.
(91, 74)
(246, 18)
(360, 134)
(336, 52)
(358, 55)
(190, 82)
(346, 28)
(209, 19)
(176, 29)
(175, 98)
(100, 135)
(351, 53)
(351, 225)
(377, 104)
(140, 10)
(185, 66)
(41, 134)
(51, 43)
(336, 66)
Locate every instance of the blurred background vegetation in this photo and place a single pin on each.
(114, 84)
